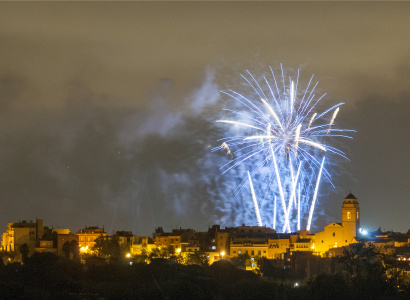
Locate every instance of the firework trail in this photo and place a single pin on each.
(281, 136)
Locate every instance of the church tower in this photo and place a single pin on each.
(350, 216)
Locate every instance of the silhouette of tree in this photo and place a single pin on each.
(109, 248)
(197, 258)
(24, 250)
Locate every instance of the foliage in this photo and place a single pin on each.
(24, 250)
(109, 249)
(371, 272)
(167, 252)
(9, 256)
(47, 276)
(71, 250)
(197, 258)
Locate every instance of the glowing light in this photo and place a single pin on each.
(279, 137)
(363, 231)
(128, 255)
(84, 249)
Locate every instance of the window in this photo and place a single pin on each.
(264, 251)
(259, 252)
(234, 252)
(253, 252)
(239, 252)
(334, 234)
(358, 215)
(348, 214)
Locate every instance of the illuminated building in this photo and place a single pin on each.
(337, 235)
(87, 237)
(21, 233)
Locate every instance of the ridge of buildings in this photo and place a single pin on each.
(218, 243)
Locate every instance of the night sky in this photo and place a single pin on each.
(107, 110)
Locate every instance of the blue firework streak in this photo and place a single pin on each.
(279, 144)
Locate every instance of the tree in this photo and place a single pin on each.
(197, 258)
(371, 272)
(71, 249)
(24, 250)
(109, 248)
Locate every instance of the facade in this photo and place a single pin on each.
(336, 235)
(124, 238)
(21, 233)
(141, 244)
(88, 235)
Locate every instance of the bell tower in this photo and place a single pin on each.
(350, 216)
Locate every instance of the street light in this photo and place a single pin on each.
(222, 254)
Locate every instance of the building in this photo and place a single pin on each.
(340, 234)
(124, 238)
(21, 233)
(87, 237)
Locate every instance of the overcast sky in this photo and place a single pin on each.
(107, 109)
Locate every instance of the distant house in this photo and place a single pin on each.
(87, 237)
(21, 233)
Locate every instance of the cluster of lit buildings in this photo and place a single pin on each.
(218, 243)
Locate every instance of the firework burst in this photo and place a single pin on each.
(280, 139)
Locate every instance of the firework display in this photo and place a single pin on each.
(279, 146)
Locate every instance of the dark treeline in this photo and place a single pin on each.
(48, 276)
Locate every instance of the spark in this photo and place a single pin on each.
(255, 202)
(281, 136)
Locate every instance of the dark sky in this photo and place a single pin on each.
(107, 109)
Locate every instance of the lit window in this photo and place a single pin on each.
(358, 215)
(348, 214)
(239, 252)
